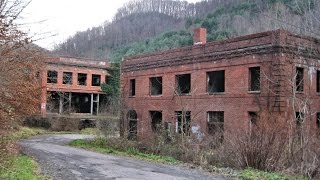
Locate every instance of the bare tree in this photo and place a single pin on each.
(19, 68)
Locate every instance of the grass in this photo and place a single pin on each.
(100, 145)
(14, 166)
(26, 132)
(20, 167)
(252, 174)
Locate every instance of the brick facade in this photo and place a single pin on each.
(63, 86)
(275, 55)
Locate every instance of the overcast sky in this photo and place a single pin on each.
(56, 20)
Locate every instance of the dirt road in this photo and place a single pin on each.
(62, 162)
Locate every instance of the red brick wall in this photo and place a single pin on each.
(267, 50)
(75, 66)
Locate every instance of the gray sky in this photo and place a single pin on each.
(63, 18)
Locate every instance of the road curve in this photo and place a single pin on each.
(63, 162)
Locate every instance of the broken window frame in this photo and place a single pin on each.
(67, 78)
(155, 86)
(156, 122)
(85, 79)
(254, 79)
(299, 118)
(216, 82)
(132, 89)
(52, 76)
(299, 79)
(183, 89)
(95, 80)
(183, 122)
(106, 79)
(215, 122)
(132, 118)
(253, 117)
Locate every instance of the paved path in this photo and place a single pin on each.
(62, 162)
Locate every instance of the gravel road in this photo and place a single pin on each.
(62, 162)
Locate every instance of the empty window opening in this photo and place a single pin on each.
(81, 103)
(156, 120)
(183, 82)
(318, 119)
(216, 81)
(96, 80)
(183, 122)
(106, 80)
(318, 81)
(253, 117)
(82, 79)
(132, 87)
(67, 78)
(58, 102)
(132, 118)
(156, 86)
(299, 79)
(52, 77)
(53, 102)
(216, 123)
(254, 79)
(299, 118)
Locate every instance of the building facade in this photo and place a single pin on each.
(72, 86)
(222, 86)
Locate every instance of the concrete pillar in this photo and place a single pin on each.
(98, 100)
(91, 108)
(70, 99)
(61, 103)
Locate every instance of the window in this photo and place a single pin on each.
(299, 118)
(183, 83)
(183, 122)
(52, 77)
(132, 119)
(106, 80)
(67, 78)
(299, 79)
(254, 79)
(215, 122)
(82, 79)
(253, 117)
(318, 119)
(96, 80)
(215, 81)
(318, 81)
(156, 120)
(132, 87)
(156, 86)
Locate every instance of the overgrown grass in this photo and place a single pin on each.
(13, 165)
(26, 132)
(100, 145)
(252, 174)
(20, 167)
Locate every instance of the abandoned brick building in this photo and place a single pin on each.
(223, 85)
(72, 86)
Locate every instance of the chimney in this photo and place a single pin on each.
(200, 36)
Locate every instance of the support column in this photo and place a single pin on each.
(98, 100)
(91, 108)
(61, 103)
(70, 99)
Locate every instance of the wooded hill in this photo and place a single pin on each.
(143, 26)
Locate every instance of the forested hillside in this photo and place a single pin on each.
(143, 26)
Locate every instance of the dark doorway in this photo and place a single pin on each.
(133, 124)
(81, 102)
